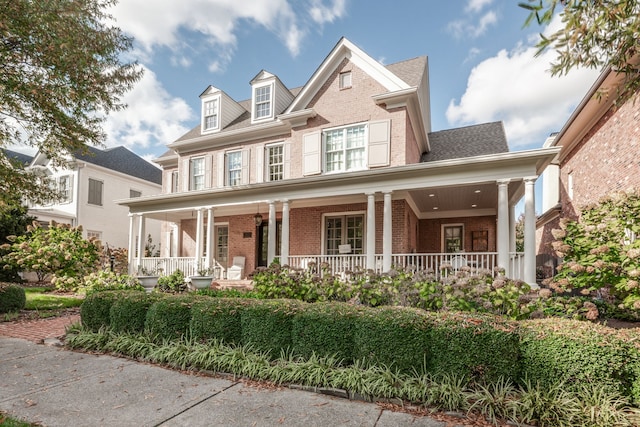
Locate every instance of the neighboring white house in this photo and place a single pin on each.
(90, 183)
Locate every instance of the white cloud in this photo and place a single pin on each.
(517, 88)
(471, 26)
(153, 117)
(477, 5)
(321, 13)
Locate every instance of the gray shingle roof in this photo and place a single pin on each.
(468, 141)
(23, 159)
(120, 159)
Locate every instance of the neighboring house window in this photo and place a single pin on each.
(570, 185)
(344, 230)
(262, 102)
(211, 114)
(95, 192)
(95, 235)
(345, 80)
(64, 187)
(134, 193)
(275, 162)
(453, 238)
(222, 245)
(174, 182)
(196, 169)
(234, 168)
(344, 149)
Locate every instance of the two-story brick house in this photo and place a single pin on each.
(343, 170)
(600, 148)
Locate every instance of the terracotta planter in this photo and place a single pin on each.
(201, 282)
(148, 282)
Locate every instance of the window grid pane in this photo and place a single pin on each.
(222, 245)
(355, 233)
(344, 149)
(174, 182)
(334, 235)
(211, 114)
(64, 187)
(263, 101)
(234, 168)
(197, 174)
(276, 163)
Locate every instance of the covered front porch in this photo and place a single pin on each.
(441, 216)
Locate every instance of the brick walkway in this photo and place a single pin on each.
(38, 330)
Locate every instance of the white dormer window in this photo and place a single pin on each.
(263, 102)
(345, 80)
(211, 114)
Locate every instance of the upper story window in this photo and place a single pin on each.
(210, 114)
(174, 182)
(344, 149)
(262, 102)
(196, 174)
(64, 187)
(345, 80)
(95, 192)
(275, 162)
(234, 168)
(134, 193)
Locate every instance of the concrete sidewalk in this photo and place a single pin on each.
(56, 387)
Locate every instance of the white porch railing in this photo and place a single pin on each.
(336, 264)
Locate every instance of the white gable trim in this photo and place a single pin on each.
(346, 49)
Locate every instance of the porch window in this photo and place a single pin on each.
(275, 162)
(344, 230)
(453, 238)
(234, 168)
(196, 170)
(222, 245)
(344, 149)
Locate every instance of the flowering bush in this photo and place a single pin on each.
(58, 251)
(601, 250)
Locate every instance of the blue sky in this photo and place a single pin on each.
(481, 60)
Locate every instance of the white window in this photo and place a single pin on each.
(95, 192)
(345, 149)
(94, 235)
(222, 245)
(570, 185)
(344, 230)
(196, 171)
(345, 80)
(262, 102)
(275, 162)
(234, 168)
(210, 114)
(64, 187)
(174, 182)
(453, 238)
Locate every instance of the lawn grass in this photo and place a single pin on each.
(7, 421)
(43, 299)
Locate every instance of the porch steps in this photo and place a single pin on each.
(232, 284)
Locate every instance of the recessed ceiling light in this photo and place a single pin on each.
(435, 208)
(431, 195)
(474, 206)
(477, 191)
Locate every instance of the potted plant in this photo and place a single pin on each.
(148, 277)
(203, 279)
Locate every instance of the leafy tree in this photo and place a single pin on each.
(58, 251)
(596, 34)
(13, 222)
(602, 249)
(61, 72)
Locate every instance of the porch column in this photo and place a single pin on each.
(503, 225)
(386, 234)
(131, 248)
(530, 232)
(512, 228)
(199, 232)
(271, 245)
(284, 246)
(371, 231)
(141, 231)
(208, 262)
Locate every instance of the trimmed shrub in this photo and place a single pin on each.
(94, 311)
(169, 316)
(219, 318)
(326, 329)
(128, 313)
(267, 325)
(579, 353)
(392, 336)
(12, 298)
(482, 348)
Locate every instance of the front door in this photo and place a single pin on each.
(262, 242)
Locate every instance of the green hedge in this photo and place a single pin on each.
(578, 353)
(94, 311)
(267, 325)
(129, 312)
(326, 329)
(169, 316)
(12, 298)
(219, 318)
